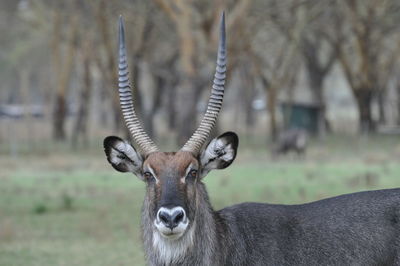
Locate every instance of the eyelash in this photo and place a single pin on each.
(149, 176)
(192, 173)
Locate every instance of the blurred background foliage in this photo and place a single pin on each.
(329, 67)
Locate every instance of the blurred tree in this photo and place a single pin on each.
(277, 69)
(247, 94)
(367, 41)
(144, 63)
(144, 60)
(318, 55)
(81, 122)
(63, 66)
(397, 84)
(109, 68)
(172, 47)
(84, 58)
(196, 25)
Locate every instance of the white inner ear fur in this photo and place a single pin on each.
(122, 147)
(218, 150)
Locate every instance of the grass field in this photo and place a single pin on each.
(72, 208)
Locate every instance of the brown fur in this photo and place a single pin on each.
(169, 168)
(176, 162)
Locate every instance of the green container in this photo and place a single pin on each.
(304, 116)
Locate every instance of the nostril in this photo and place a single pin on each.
(164, 217)
(171, 218)
(178, 217)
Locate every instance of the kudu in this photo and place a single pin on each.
(180, 227)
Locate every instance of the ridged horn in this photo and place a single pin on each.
(202, 133)
(145, 144)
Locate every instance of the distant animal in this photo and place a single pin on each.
(180, 226)
(294, 139)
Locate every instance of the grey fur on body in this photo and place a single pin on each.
(354, 229)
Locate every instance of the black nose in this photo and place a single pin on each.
(171, 219)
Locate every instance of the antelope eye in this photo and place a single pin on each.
(192, 173)
(148, 175)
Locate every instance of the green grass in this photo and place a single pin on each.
(70, 208)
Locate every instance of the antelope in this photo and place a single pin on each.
(180, 226)
(294, 139)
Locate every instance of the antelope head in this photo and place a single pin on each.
(173, 179)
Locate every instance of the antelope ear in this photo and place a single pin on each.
(122, 156)
(219, 153)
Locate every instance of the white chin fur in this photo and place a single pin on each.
(173, 234)
(171, 248)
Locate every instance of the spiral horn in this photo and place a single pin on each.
(202, 133)
(144, 142)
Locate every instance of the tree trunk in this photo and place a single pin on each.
(381, 106)
(398, 102)
(247, 96)
(60, 108)
(364, 98)
(271, 94)
(171, 106)
(316, 80)
(188, 95)
(60, 112)
(58, 132)
(155, 106)
(80, 127)
(111, 65)
(272, 112)
(24, 79)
